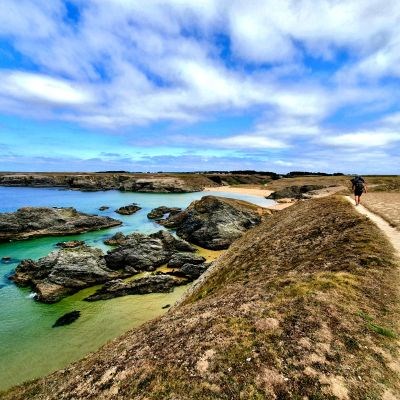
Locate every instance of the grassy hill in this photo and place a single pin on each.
(305, 306)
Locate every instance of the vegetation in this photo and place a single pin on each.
(304, 306)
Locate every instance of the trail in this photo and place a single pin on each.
(391, 233)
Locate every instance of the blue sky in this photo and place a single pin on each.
(179, 85)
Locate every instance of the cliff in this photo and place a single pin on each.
(303, 306)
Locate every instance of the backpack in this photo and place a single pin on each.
(358, 183)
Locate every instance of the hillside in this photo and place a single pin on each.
(304, 306)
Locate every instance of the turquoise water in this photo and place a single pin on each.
(29, 346)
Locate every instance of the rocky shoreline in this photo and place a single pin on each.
(32, 222)
(212, 222)
(146, 183)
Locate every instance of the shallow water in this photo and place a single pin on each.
(29, 346)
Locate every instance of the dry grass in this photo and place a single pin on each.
(386, 205)
(302, 307)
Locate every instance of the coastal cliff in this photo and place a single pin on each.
(304, 305)
(160, 183)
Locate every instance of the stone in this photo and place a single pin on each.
(214, 222)
(30, 222)
(163, 212)
(103, 208)
(180, 259)
(160, 283)
(128, 210)
(64, 272)
(294, 192)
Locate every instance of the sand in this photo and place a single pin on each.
(240, 190)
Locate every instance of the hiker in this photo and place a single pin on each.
(359, 187)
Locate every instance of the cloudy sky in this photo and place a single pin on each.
(193, 85)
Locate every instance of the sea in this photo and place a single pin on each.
(29, 346)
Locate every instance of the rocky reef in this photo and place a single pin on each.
(64, 272)
(128, 210)
(30, 222)
(214, 222)
(160, 283)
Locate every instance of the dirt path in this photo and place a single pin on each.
(392, 233)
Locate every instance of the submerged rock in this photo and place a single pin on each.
(64, 272)
(214, 222)
(67, 318)
(29, 222)
(70, 244)
(128, 210)
(160, 283)
(103, 208)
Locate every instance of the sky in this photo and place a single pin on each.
(184, 85)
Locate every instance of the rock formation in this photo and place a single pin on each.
(128, 210)
(214, 222)
(29, 222)
(139, 252)
(294, 192)
(159, 283)
(64, 272)
(163, 212)
(67, 318)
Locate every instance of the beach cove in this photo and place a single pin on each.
(30, 347)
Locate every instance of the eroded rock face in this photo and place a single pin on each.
(159, 283)
(214, 222)
(139, 252)
(29, 222)
(179, 259)
(128, 210)
(64, 272)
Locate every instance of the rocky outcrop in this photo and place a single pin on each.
(103, 208)
(163, 212)
(67, 318)
(294, 192)
(214, 222)
(160, 283)
(128, 210)
(29, 222)
(179, 259)
(190, 271)
(64, 272)
(139, 252)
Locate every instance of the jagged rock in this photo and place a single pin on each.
(159, 283)
(193, 271)
(173, 244)
(294, 192)
(163, 211)
(67, 318)
(128, 210)
(116, 240)
(179, 259)
(29, 222)
(64, 272)
(70, 244)
(103, 208)
(214, 222)
(139, 252)
(159, 185)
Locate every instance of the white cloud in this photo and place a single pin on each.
(249, 141)
(363, 139)
(29, 86)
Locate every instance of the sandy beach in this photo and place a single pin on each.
(240, 190)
